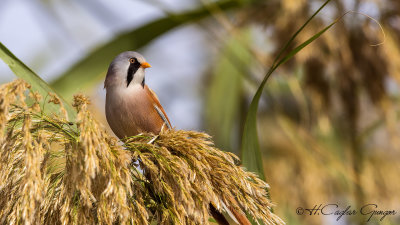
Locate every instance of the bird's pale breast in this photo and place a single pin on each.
(131, 111)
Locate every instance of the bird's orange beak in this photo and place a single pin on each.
(145, 65)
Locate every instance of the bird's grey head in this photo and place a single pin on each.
(125, 70)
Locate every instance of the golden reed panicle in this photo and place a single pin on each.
(55, 171)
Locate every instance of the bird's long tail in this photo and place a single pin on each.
(237, 217)
(218, 216)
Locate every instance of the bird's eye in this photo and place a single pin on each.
(132, 60)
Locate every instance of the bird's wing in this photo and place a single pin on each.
(157, 106)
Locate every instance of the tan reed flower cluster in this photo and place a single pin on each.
(186, 173)
(54, 171)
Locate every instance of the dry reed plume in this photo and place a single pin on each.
(54, 171)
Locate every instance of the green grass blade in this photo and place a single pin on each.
(297, 32)
(39, 85)
(251, 154)
(90, 70)
(303, 45)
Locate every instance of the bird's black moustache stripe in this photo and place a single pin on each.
(133, 67)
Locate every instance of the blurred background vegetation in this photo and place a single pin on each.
(328, 120)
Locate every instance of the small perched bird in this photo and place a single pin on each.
(133, 108)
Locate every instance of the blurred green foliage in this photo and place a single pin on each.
(225, 91)
(328, 120)
(90, 70)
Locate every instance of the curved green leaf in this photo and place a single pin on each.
(91, 69)
(39, 85)
(251, 154)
